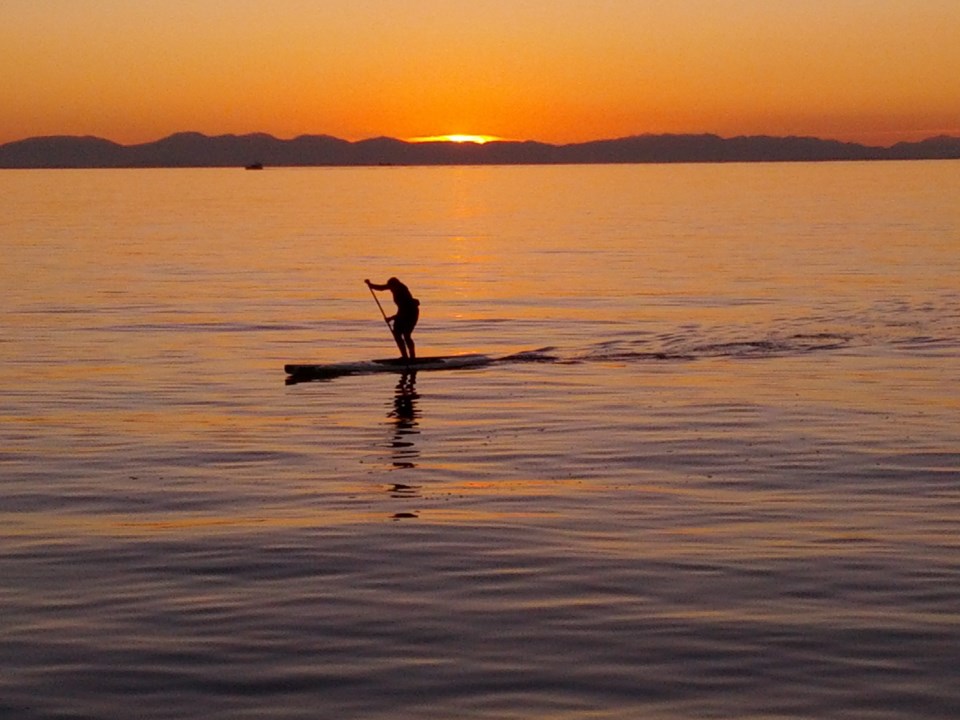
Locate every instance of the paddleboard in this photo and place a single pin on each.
(391, 365)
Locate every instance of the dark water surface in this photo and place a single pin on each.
(721, 478)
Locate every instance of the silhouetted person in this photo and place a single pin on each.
(408, 312)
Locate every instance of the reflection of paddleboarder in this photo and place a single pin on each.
(404, 416)
(408, 312)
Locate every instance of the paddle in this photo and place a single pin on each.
(377, 301)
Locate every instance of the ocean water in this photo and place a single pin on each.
(713, 471)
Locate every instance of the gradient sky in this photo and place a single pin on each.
(875, 71)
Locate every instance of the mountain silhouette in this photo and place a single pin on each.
(191, 149)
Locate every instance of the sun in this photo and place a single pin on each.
(457, 138)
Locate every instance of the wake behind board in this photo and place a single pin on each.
(394, 365)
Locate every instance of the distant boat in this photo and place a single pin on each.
(254, 166)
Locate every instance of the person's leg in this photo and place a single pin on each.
(408, 331)
(400, 343)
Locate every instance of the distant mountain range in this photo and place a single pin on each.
(197, 150)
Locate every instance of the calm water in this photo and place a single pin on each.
(723, 480)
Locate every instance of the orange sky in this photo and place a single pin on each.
(875, 71)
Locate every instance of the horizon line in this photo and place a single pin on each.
(461, 139)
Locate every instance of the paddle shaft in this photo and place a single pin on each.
(377, 301)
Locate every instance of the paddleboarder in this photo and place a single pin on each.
(408, 312)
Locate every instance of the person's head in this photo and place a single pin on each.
(393, 283)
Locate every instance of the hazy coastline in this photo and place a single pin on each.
(191, 149)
